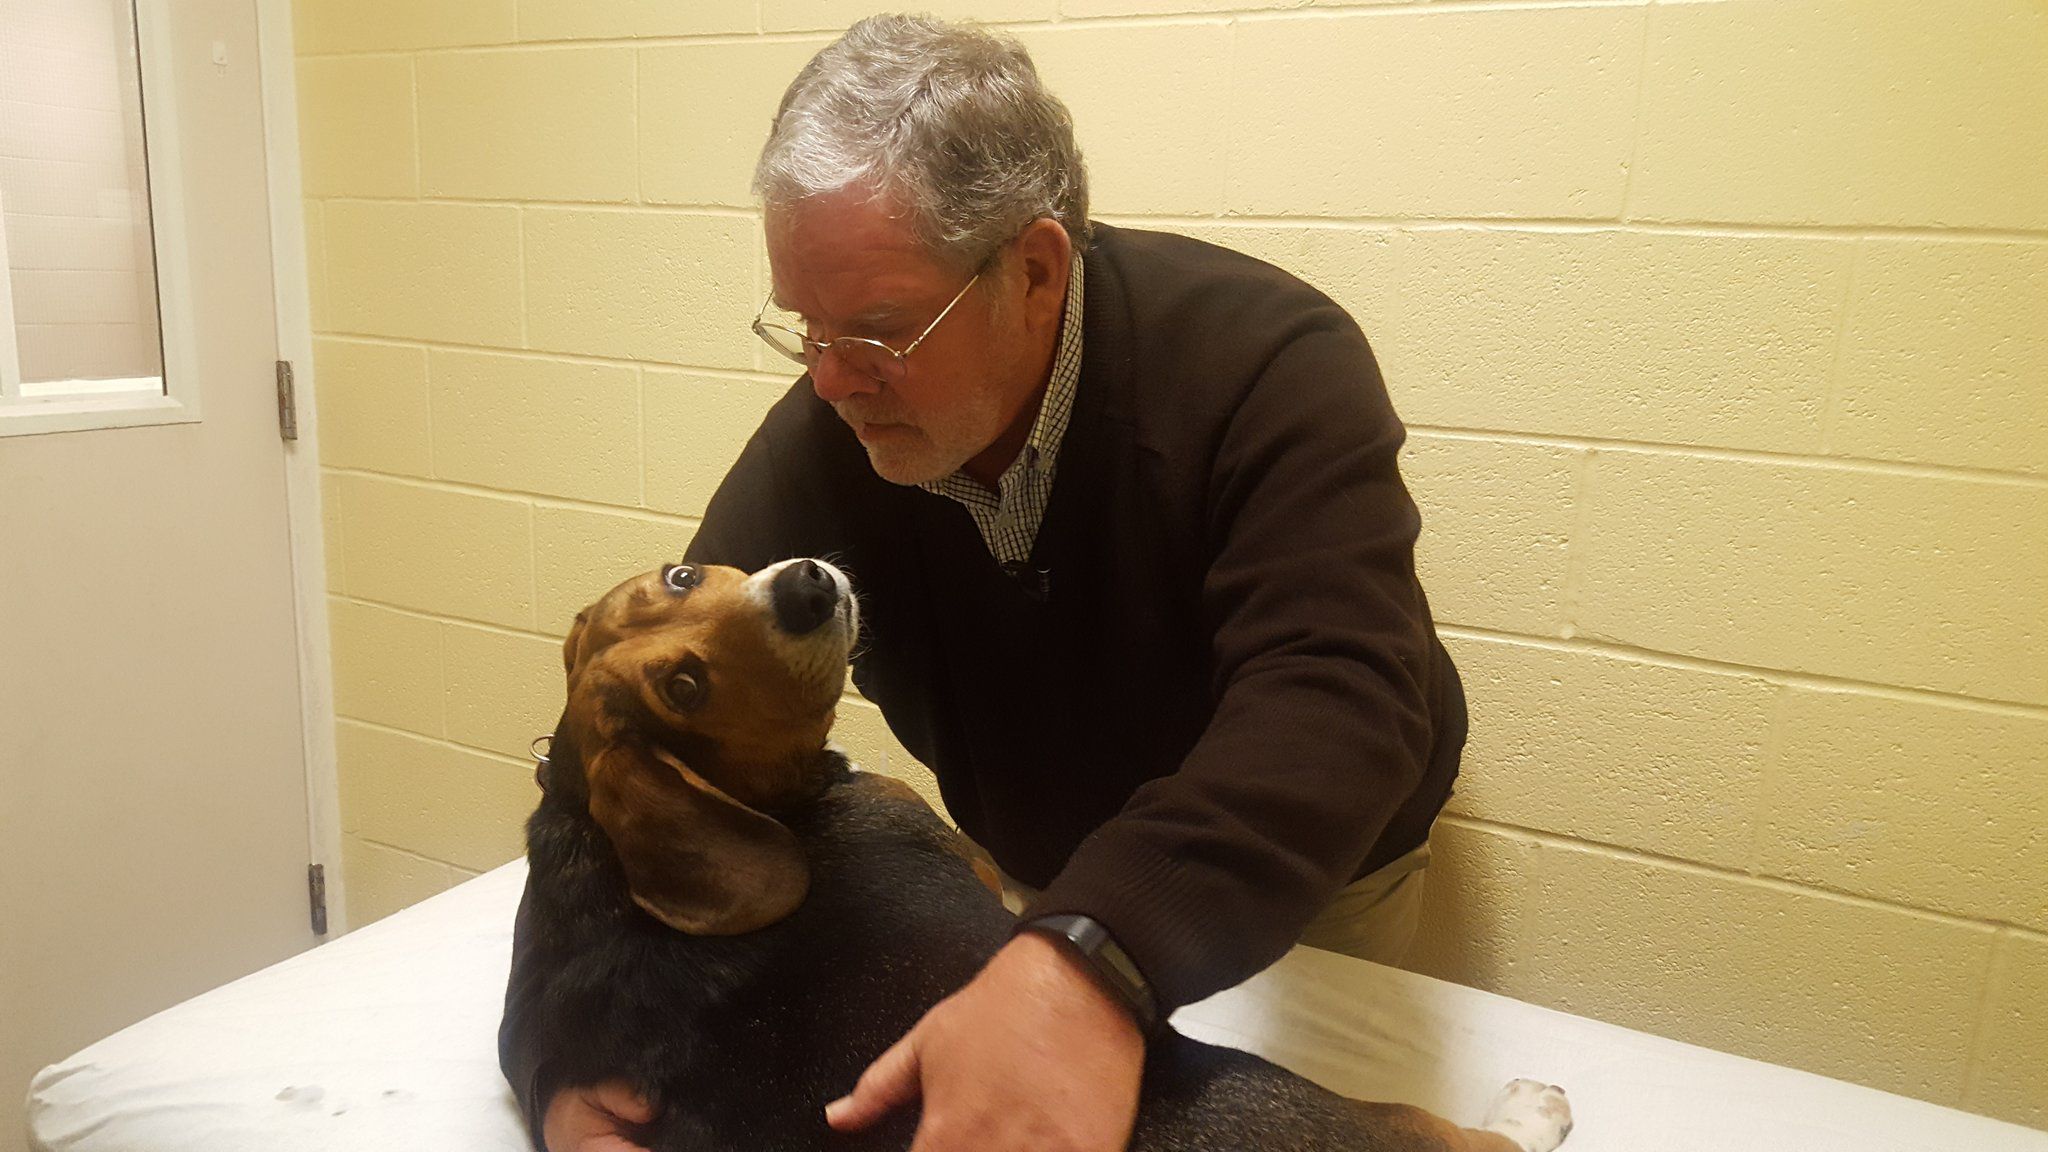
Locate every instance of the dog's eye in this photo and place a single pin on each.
(681, 578)
(685, 690)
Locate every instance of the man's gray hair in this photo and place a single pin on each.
(950, 120)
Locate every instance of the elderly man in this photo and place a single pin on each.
(1137, 565)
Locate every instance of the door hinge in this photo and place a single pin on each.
(287, 402)
(316, 892)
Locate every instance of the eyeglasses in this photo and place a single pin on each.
(868, 357)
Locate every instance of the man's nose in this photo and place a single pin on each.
(833, 380)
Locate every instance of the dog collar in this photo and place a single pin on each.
(541, 746)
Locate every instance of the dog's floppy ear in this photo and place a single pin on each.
(572, 648)
(696, 859)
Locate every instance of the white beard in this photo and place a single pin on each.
(934, 448)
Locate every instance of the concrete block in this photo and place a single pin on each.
(1945, 360)
(448, 272)
(356, 126)
(662, 286)
(1839, 113)
(528, 125)
(527, 423)
(696, 427)
(433, 799)
(387, 666)
(1929, 804)
(1496, 529)
(580, 554)
(503, 688)
(433, 550)
(1721, 341)
(1915, 581)
(373, 406)
(1875, 995)
(705, 111)
(1601, 747)
(1508, 112)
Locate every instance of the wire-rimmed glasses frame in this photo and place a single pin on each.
(799, 346)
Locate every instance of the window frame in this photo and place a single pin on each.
(178, 403)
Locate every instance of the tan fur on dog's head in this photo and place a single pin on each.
(697, 711)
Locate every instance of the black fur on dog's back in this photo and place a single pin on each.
(739, 1041)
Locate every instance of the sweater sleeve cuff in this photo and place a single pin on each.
(1173, 921)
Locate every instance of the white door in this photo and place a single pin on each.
(153, 806)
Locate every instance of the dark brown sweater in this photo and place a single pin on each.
(1217, 697)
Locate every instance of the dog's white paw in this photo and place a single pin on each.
(1534, 1115)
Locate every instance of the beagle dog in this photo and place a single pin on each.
(721, 912)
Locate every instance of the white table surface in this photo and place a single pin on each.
(386, 1039)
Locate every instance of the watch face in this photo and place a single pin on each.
(1116, 959)
(1110, 962)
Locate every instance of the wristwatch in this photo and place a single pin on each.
(1104, 957)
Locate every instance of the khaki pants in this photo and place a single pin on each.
(1373, 918)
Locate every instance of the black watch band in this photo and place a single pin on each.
(1104, 957)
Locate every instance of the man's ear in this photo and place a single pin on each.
(696, 859)
(1044, 253)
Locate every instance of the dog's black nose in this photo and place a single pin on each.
(805, 596)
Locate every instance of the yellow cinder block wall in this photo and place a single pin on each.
(1721, 330)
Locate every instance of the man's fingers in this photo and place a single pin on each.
(587, 1118)
(890, 1082)
(618, 1098)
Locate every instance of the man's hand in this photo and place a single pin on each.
(1032, 1055)
(593, 1119)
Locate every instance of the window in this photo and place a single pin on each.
(83, 332)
